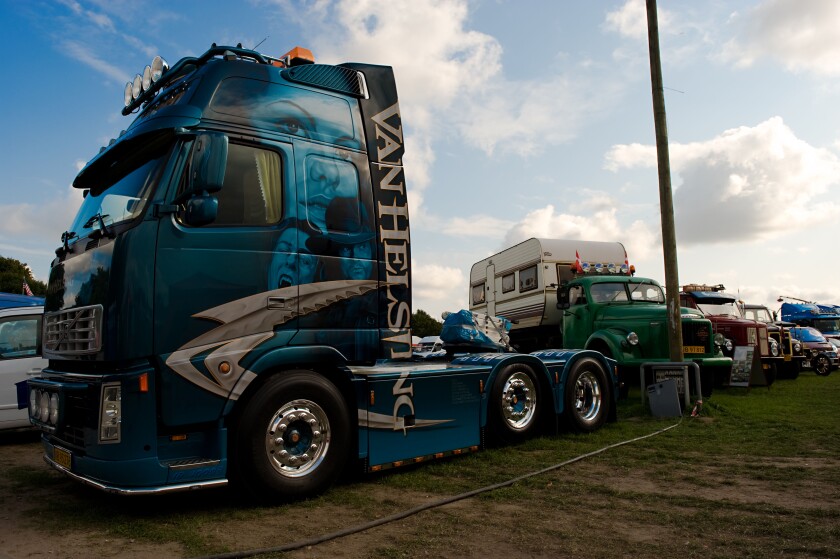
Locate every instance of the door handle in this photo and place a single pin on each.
(276, 302)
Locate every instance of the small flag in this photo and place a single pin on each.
(26, 290)
(578, 266)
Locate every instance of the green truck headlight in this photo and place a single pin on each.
(633, 338)
(110, 413)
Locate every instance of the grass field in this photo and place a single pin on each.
(757, 474)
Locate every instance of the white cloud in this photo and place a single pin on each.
(437, 288)
(599, 224)
(630, 20)
(746, 184)
(84, 55)
(42, 223)
(801, 35)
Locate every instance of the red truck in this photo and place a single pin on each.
(727, 318)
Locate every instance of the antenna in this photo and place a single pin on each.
(261, 42)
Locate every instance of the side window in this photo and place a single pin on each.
(252, 192)
(478, 294)
(577, 296)
(528, 278)
(508, 283)
(333, 182)
(20, 336)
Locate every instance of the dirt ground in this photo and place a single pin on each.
(626, 515)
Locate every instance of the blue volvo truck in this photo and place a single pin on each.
(232, 302)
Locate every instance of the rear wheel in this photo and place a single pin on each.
(514, 406)
(293, 438)
(586, 396)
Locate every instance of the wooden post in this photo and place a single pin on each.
(666, 204)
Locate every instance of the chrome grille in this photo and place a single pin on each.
(73, 332)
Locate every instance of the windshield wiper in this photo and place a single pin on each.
(98, 217)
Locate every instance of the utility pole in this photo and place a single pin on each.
(666, 203)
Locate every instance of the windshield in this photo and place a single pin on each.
(122, 195)
(807, 334)
(610, 292)
(761, 315)
(720, 309)
(827, 324)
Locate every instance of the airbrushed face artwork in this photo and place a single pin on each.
(321, 277)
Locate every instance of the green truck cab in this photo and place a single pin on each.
(624, 317)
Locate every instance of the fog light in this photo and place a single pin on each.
(158, 68)
(110, 416)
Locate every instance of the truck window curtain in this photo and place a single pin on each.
(268, 174)
(252, 192)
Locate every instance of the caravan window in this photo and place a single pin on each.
(508, 283)
(478, 294)
(528, 278)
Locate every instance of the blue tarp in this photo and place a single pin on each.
(465, 328)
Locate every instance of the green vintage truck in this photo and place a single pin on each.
(571, 294)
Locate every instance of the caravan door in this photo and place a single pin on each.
(491, 289)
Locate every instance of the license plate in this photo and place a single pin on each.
(62, 457)
(694, 349)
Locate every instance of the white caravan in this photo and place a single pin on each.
(520, 283)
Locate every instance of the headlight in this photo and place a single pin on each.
(33, 403)
(774, 348)
(814, 352)
(633, 338)
(719, 339)
(44, 406)
(797, 347)
(110, 413)
(54, 409)
(728, 345)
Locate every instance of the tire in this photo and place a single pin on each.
(514, 406)
(293, 437)
(822, 365)
(586, 396)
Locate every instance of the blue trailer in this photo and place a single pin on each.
(233, 300)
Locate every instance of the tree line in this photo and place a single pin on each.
(12, 275)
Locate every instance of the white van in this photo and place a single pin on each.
(20, 359)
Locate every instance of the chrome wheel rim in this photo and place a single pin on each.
(297, 438)
(519, 403)
(587, 396)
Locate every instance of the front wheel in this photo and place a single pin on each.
(293, 438)
(586, 396)
(822, 365)
(514, 406)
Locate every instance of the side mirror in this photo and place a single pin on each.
(209, 160)
(201, 210)
(563, 297)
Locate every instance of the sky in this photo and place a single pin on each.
(522, 118)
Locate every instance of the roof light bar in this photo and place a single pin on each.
(143, 83)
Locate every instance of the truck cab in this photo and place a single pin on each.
(824, 318)
(624, 318)
(792, 351)
(727, 318)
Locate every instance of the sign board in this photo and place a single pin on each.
(742, 365)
